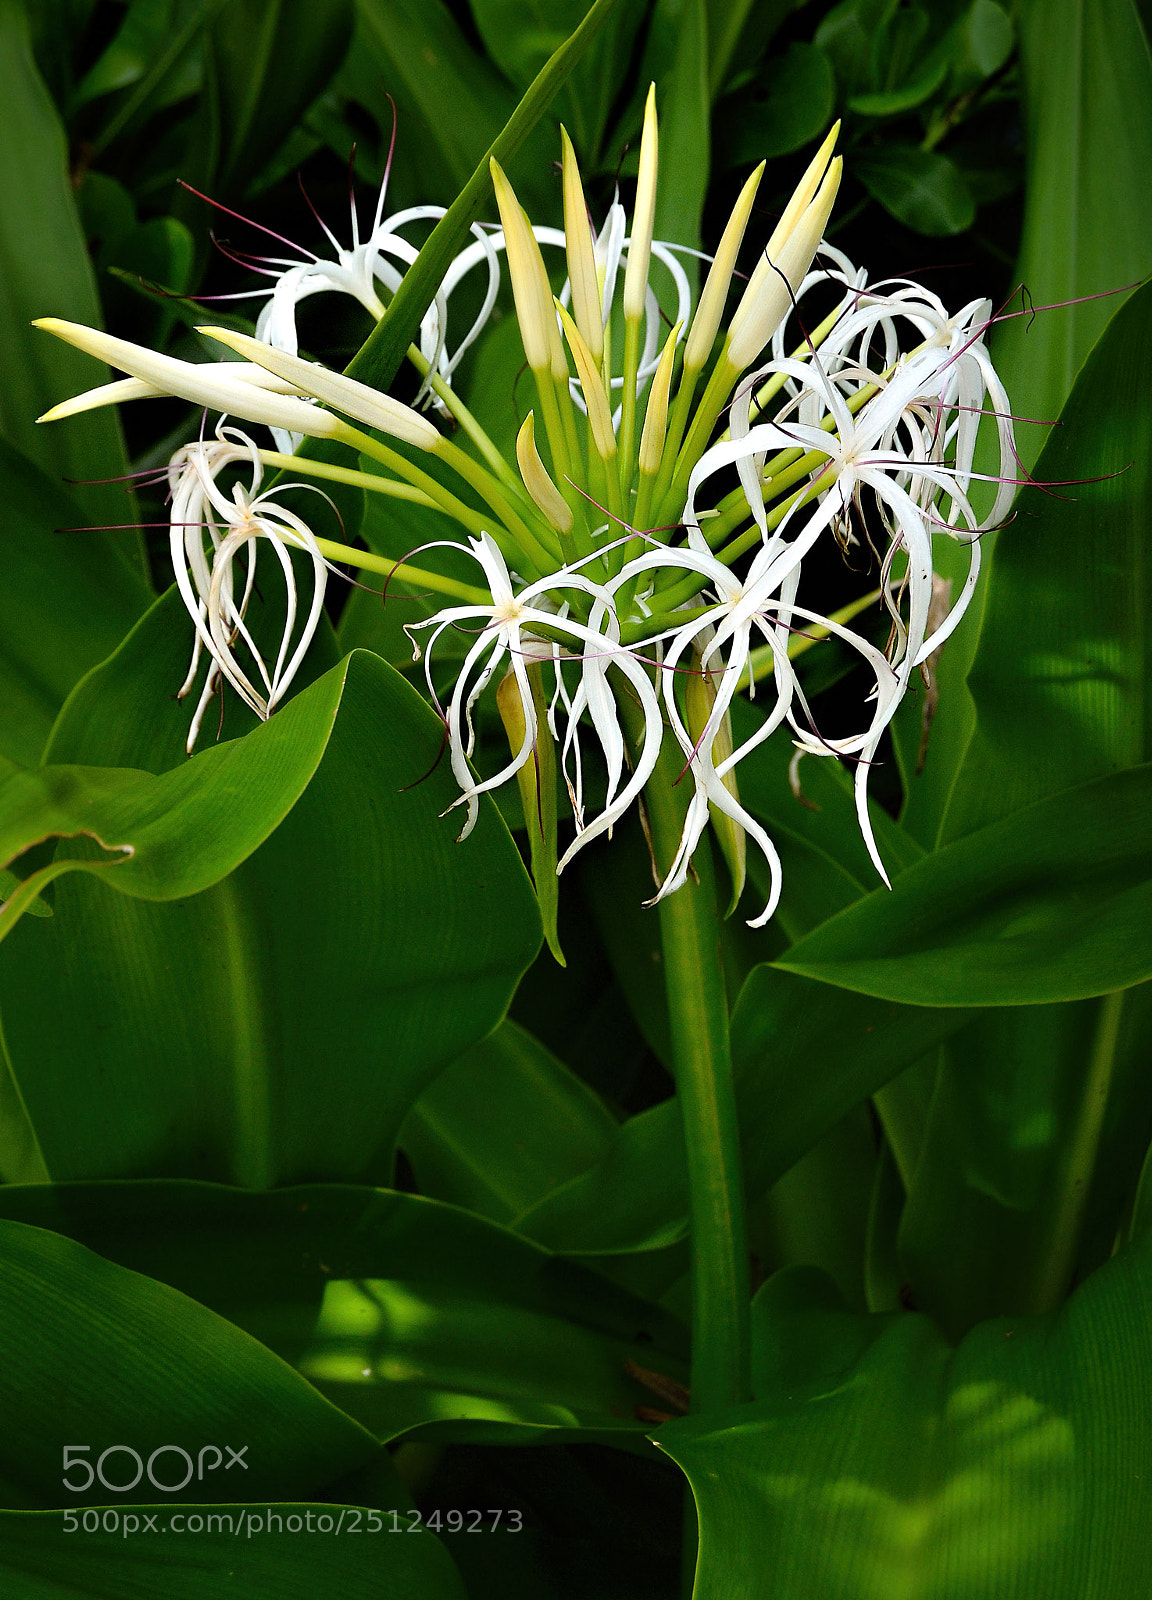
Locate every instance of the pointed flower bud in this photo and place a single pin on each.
(357, 400)
(537, 481)
(587, 291)
(643, 216)
(530, 287)
(706, 322)
(656, 416)
(781, 270)
(599, 411)
(210, 384)
(114, 394)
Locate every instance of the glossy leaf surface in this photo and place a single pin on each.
(878, 1460)
(503, 1126)
(66, 601)
(635, 1197)
(359, 935)
(405, 1312)
(1060, 680)
(46, 271)
(90, 1353)
(1088, 219)
(1053, 903)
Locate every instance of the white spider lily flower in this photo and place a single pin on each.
(894, 447)
(722, 639)
(235, 524)
(358, 273)
(520, 627)
(211, 383)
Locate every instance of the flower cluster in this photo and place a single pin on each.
(646, 564)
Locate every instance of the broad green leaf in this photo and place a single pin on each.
(267, 1552)
(1031, 1157)
(739, 32)
(677, 60)
(405, 1312)
(850, 34)
(46, 272)
(791, 104)
(520, 40)
(635, 1197)
(503, 1126)
(96, 1354)
(1053, 903)
(817, 1214)
(1087, 78)
(66, 601)
(1060, 679)
(269, 60)
(878, 1460)
(359, 934)
(906, 97)
(170, 835)
(983, 44)
(142, 45)
(459, 98)
(447, 95)
(920, 188)
(21, 1159)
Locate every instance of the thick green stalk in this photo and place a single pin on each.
(702, 1059)
(1055, 1270)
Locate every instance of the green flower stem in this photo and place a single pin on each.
(443, 498)
(468, 424)
(565, 466)
(674, 434)
(538, 543)
(372, 481)
(367, 562)
(1050, 1286)
(702, 1060)
(627, 448)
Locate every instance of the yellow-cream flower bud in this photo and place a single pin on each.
(209, 384)
(587, 293)
(706, 322)
(599, 411)
(545, 495)
(643, 216)
(355, 399)
(779, 273)
(530, 287)
(656, 415)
